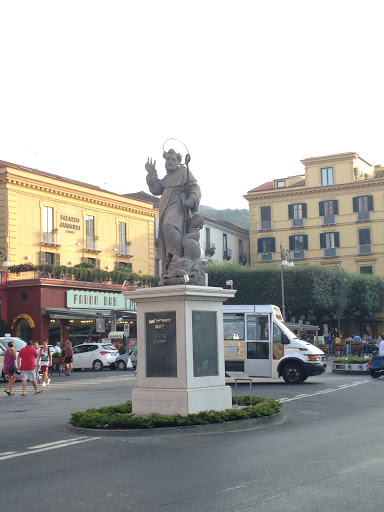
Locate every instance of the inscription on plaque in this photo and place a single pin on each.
(160, 343)
(204, 333)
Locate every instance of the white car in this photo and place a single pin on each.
(94, 355)
(19, 344)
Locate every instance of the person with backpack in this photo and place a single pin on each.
(45, 356)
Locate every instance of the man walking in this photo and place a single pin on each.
(28, 367)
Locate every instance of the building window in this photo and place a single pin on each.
(92, 261)
(365, 246)
(366, 270)
(123, 264)
(328, 211)
(242, 256)
(48, 235)
(49, 258)
(362, 207)
(90, 231)
(298, 244)
(326, 176)
(207, 238)
(280, 184)
(297, 213)
(227, 253)
(266, 219)
(329, 243)
(266, 248)
(122, 238)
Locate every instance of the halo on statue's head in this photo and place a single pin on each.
(167, 147)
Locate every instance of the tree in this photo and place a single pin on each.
(365, 297)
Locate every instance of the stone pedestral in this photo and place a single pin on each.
(180, 344)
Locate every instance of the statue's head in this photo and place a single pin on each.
(172, 160)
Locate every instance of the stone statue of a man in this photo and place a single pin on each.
(180, 195)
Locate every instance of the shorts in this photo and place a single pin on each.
(68, 360)
(44, 369)
(7, 372)
(28, 375)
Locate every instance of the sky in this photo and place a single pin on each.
(90, 89)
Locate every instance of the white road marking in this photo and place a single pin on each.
(52, 444)
(47, 448)
(324, 391)
(7, 453)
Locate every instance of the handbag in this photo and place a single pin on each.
(12, 368)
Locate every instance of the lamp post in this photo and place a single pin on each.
(286, 260)
(3, 254)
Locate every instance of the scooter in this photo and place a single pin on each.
(376, 367)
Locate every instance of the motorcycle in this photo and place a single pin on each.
(376, 367)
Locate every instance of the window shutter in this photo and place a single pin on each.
(370, 203)
(355, 204)
(260, 245)
(98, 264)
(337, 239)
(42, 258)
(336, 207)
(290, 211)
(321, 209)
(304, 206)
(57, 260)
(292, 243)
(305, 242)
(322, 241)
(265, 213)
(364, 236)
(273, 245)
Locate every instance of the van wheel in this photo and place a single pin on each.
(374, 375)
(293, 373)
(97, 365)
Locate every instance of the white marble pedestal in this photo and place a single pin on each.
(180, 350)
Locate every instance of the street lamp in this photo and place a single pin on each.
(3, 253)
(229, 283)
(286, 260)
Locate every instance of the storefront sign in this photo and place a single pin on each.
(99, 300)
(69, 222)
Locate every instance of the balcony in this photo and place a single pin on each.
(243, 259)
(330, 252)
(265, 225)
(362, 216)
(51, 238)
(92, 244)
(298, 255)
(362, 250)
(297, 223)
(266, 256)
(227, 255)
(126, 251)
(328, 220)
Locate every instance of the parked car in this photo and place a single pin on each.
(94, 355)
(122, 361)
(19, 344)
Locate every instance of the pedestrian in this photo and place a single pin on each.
(330, 340)
(45, 356)
(28, 355)
(348, 342)
(381, 346)
(68, 357)
(36, 346)
(10, 366)
(134, 352)
(57, 348)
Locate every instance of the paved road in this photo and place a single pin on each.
(326, 455)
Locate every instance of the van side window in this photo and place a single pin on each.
(257, 327)
(234, 326)
(277, 332)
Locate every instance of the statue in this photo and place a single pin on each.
(178, 240)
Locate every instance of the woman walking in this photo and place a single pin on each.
(10, 366)
(68, 357)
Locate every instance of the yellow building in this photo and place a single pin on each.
(333, 214)
(46, 218)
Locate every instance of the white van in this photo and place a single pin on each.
(257, 342)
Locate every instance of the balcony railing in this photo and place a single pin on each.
(51, 238)
(227, 255)
(328, 220)
(330, 252)
(299, 255)
(266, 256)
(92, 244)
(126, 250)
(361, 250)
(265, 225)
(362, 216)
(243, 259)
(297, 223)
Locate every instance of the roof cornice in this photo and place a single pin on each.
(339, 157)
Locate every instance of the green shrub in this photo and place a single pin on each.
(352, 360)
(120, 416)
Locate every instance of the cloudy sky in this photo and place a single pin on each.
(90, 89)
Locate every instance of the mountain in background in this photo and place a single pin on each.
(237, 217)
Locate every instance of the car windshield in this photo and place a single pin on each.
(19, 344)
(109, 347)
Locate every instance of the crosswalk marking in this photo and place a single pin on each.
(49, 446)
(325, 391)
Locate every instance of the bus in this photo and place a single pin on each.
(258, 343)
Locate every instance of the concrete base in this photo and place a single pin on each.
(180, 401)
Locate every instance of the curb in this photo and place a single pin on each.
(214, 428)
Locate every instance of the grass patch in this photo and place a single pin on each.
(121, 417)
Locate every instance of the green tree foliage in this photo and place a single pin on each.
(237, 217)
(365, 296)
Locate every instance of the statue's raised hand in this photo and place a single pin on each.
(150, 167)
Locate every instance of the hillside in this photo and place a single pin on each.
(238, 217)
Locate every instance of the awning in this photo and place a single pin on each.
(72, 314)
